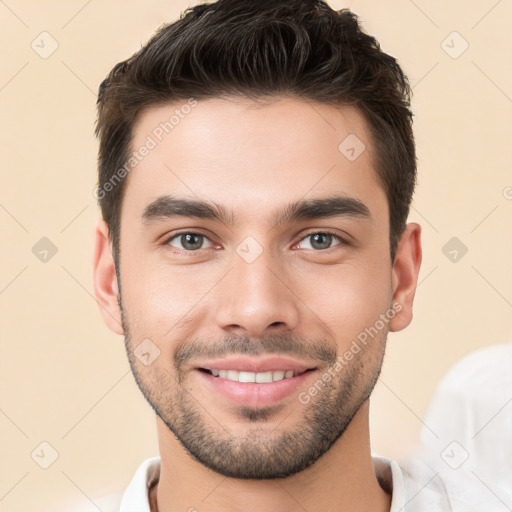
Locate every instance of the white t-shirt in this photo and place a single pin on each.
(423, 483)
(417, 488)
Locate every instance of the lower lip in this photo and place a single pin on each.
(252, 394)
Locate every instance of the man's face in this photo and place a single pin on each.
(257, 291)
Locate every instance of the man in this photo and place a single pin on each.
(256, 168)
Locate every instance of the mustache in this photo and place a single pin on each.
(243, 345)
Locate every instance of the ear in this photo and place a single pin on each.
(405, 272)
(105, 280)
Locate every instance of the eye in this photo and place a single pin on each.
(321, 240)
(189, 241)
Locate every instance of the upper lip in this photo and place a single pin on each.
(248, 364)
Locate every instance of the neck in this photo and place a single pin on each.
(342, 479)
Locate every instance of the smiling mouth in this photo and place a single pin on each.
(257, 377)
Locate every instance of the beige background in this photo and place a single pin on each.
(65, 378)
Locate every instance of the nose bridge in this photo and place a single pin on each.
(254, 298)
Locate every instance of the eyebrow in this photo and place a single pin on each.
(169, 207)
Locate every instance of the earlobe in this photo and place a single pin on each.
(405, 272)
(105, 280)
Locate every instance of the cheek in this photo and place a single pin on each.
(159, 297)
(348, 298)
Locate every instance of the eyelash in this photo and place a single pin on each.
(340, 239)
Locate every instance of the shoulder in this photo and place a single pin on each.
(430, 482)
(413, 485)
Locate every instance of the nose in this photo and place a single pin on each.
(255, 300)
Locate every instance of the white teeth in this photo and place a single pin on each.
(260, 377)
(263, 377)
(232, 375)
(247, 377)
(278, 375)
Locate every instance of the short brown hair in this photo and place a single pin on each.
(254, 49)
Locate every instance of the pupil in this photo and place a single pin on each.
(188, 240)
(326, 240)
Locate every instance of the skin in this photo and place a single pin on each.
(253, 160)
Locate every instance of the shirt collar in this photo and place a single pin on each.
(136, 497)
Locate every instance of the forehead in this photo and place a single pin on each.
(251, 157)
